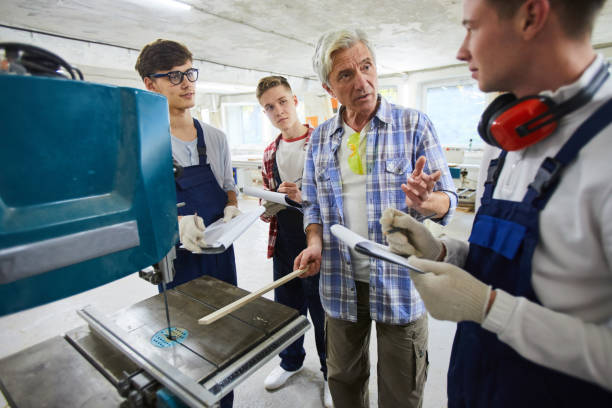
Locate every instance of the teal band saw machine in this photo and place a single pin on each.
(87, 196)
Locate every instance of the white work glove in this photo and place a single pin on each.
(229, 212)
(272, 208)
(191, 233)
(449, 292)
(407, 236)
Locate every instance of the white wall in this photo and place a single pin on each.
(411, 87)
(310, 103)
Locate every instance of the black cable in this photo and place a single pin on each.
(38, 61)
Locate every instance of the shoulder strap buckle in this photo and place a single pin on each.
(495, 167)
(547, 174)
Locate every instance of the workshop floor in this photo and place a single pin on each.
(305, 389)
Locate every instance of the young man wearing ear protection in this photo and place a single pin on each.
(532, 290)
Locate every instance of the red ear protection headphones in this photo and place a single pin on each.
(513, 124)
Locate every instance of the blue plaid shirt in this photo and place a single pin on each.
(397, 138)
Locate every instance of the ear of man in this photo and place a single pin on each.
(150, 84)
(329, 90)
(532, 17)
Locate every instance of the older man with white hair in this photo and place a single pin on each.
(370, 156)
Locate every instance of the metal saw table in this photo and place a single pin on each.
(127, 360)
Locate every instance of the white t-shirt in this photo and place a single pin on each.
(351, 156)
(572, 262)
(290, 156)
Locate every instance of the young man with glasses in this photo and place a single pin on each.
(206, 184)
(283, 167)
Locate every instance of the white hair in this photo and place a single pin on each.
(332, 41)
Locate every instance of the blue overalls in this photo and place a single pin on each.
(200, 191)
(301, 293)
(485, 372)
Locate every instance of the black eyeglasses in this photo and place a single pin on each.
(176, 77)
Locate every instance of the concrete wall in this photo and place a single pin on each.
(115, 65)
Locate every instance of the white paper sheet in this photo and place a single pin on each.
(220, 235)
(272, 196)
(370, 248)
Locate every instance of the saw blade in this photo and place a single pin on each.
(167, 311)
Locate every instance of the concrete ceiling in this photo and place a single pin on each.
(258, 36)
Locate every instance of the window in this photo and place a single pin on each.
(455, 110)
(242, 123)
(205, 115)
(389, 93)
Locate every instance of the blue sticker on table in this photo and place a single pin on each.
(161, 340)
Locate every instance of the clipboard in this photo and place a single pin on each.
(271, 196)
(369, 248)
(220, 235)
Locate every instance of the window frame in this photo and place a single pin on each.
(449, 82)
(224, 118)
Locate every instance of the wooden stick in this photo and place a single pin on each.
(214, 316)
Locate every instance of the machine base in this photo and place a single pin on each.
(113, 362)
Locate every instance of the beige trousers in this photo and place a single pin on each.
(402, 359)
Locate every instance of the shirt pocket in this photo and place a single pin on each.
(395, 173)
(398, 166)
(325, 194)
(501, 236)
(324, 187)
